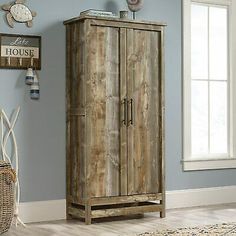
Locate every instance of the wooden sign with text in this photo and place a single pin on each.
(20, 51)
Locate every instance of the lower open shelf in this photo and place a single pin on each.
(89, 212)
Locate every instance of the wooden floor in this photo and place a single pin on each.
(150, 222)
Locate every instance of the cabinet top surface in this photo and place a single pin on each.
(118, 20)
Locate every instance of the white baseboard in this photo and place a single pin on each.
(56, 209)
(42, 211)
(200, 197)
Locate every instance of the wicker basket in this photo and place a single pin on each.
(7, 179)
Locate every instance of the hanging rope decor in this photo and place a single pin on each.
(7, 134)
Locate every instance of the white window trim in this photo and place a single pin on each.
(221, 162)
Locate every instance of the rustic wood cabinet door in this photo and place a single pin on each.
(115, 117)
(144, 111)
(103, 107)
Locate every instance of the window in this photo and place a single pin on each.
(208, 103)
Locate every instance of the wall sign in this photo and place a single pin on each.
(20, 51)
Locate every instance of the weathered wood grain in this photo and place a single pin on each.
(121, 22)
(123, 112)
(144, 134)
(76, 213)
(155, 113)
(86, 35)
(74, 122)
(129, 78)
(68, 141)
(75, 114)
(103, 113)
(162, 125)
(126, 199)
(88, 214)
(124, 24)
(125, 211)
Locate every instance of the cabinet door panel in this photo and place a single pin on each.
(103, 112)
(144, 145)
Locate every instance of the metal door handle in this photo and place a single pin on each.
(131, 120)
(124, 103)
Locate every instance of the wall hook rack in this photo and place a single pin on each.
(20, 61)
(20, 51)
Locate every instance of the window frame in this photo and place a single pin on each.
(219, 161)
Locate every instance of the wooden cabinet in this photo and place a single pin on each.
(115, 117)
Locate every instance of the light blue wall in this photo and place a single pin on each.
(41, 127)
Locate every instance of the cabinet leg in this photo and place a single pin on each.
(68, 216)
(163, 211)
(163, 214)
(88, 219)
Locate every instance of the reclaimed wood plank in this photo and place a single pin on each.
(154, 113)
(103, 113)
(130, 75)
(143, 134)
(78, 69)
(86, 35)
(80, 105)
(140, 97)
(125, 211)
(123, 114)
(126, 199)
(113, 113)
(162, 125)
(75, 115)
(68, 141)
(128, 25)
(74, 122)
(88, 214)
(78, 108)
(76, 213)
(86, 57)
(118, 20)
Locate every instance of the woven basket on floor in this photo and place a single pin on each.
(7, 179)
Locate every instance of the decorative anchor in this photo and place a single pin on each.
(134, 6)
(7, 132)
(19, 12)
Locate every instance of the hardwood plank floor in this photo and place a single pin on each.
(130, 226)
